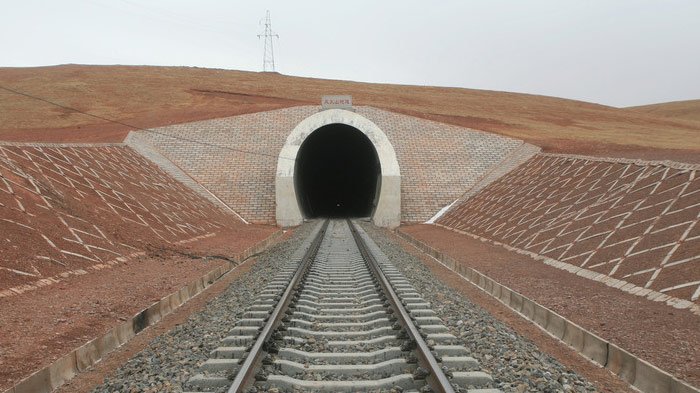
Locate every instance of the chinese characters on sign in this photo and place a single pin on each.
(336, 102)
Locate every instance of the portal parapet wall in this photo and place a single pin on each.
(235, 158)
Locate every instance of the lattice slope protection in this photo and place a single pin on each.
(635, 222)
(64, 209)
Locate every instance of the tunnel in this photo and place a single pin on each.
(337, 173)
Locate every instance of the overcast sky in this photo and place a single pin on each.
(613, 52)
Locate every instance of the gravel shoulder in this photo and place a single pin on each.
(519, 356)
(517, 364)
(170, 359)
(42, 325)
(664, 336)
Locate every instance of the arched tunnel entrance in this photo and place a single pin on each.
(345, 154)
(337, 173)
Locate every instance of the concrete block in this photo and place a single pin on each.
(62, 370)
(39, 382)
(451, 263)
(573, 335)
(164, 306)
(210, 277)
(174, 300)
(481, 280)
(125, 332)
(621, 363)
(594, 348)
(153, 314)
(467, 273)
(497, 290)
(528, 308)
(540, 316)
(192, 288)
(505, 295)
(682, 387)
(107, 343)
(488, 285)
(462, 270)
(516, 301)
(555, 324)
(185, 294)
(86, 355)
(650, 379)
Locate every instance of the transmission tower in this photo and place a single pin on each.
(269, 54)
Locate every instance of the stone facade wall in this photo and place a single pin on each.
(236, 157)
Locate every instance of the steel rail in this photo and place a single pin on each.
(246, 374)
(436, 378)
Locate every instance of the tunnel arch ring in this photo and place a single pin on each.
(388, 210)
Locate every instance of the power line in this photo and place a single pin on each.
(268, 52)
(140, 128)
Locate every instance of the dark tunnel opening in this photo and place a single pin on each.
(337, 173)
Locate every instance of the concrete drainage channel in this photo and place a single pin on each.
(642, 375)
(81, 359)
(340, 318)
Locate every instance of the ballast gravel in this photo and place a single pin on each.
(515, 364)
(172, 359)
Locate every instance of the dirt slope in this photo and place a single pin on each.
(153, 96)
(680, 110)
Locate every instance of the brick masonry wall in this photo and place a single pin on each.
(236, 157)
(136, 141)
(628, 222)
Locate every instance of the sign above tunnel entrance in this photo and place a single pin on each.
(336, 102)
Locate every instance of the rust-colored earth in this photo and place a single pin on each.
(90, 236)
(42, 325)
(57, 318)
(145, 97)
(659, 334)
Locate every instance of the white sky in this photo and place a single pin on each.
(614, 52)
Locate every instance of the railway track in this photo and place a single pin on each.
(340, 318)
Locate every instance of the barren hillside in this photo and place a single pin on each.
(154, 96)
(680, 110)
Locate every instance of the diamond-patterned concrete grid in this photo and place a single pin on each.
(70, 207)
(637, 223)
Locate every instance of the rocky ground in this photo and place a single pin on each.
(513, 361)
(170, 360)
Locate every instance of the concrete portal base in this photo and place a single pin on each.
(388, 210)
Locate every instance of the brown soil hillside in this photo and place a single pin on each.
(681, 110)
(154, 96)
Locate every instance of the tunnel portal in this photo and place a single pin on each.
(337, 173)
